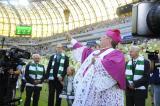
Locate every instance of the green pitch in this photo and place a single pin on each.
(44, 98)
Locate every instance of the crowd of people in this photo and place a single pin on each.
(32, 44)
(144, 43)
(104, 24)
(84, 29)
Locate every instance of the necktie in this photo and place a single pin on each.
(134, 64)
(58, 57)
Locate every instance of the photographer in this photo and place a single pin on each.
(155, 79)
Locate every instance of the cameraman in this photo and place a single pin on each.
(155, 80)
(8, 86)
(13, 80)
(10, 68)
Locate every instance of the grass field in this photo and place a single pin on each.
(44, 98)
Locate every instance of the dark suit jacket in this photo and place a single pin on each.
(56, 67)
(144, 81)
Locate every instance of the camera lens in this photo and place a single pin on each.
(153, 19)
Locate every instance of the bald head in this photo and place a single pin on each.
(59, 45)
(36, 58)
(134, 52)
(135, 48)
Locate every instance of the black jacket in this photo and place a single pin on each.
(56, 67)
(155, 75)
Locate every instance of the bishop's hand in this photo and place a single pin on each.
(68, 36)
(37, 82)
(94, 59)
(131, 86)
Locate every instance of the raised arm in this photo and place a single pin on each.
(80, 52)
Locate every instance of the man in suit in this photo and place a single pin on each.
(137, 77)
(56, 72)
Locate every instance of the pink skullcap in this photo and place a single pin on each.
(114, 34)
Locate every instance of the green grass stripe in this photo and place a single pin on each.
(34, 65)
(40, 65)
(129, 77)
(36, 72)
(60, 72)
(50, 75)
(140, 62)
(63, 58)
(61, 64)
(43, 100)
(139, 72)
(129, 67)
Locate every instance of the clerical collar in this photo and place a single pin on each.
(103, 49)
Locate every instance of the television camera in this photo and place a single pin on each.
(10, 59)
(153, 56)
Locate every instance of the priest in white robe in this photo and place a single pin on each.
(100, 81)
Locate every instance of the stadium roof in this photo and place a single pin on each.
(47, 16)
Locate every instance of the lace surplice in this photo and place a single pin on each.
(96, 87)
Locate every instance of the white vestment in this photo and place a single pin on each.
(96, 87)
